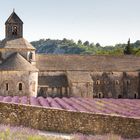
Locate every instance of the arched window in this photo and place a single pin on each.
(135, 96)
(7, 86)
(14, 30)
(20, 86)
(98, 82)
(100, 95)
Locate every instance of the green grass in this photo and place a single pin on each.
(21, 133)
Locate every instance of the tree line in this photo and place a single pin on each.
(67, 46)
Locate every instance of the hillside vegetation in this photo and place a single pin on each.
(66, 46)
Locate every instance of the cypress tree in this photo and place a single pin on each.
(128, 49)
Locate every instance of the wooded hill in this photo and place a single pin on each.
(66, 46)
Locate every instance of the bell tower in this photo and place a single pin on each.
(13, 27)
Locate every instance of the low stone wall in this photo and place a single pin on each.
(68, 121)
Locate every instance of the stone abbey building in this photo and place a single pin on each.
(22, 72)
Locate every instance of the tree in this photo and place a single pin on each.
(98, 45)
(128, 49)
(79, 42)
(137, 44)
(86, 43)
(64, 40)
(91, 45)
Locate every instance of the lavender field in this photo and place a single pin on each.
(122, 107)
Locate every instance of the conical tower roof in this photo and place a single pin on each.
(18, 43)
(16, 62)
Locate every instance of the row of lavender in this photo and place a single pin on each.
(125, 107)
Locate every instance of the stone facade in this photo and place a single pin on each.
(116, 84)
(15, 83)
(103, 85)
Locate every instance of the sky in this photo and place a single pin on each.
(105, 21)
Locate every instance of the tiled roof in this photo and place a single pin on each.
(53, 62)
(16, 62)
(14, 18)
(18, 43)
(53, 81)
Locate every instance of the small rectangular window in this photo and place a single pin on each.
(7, 86)
(20, 86)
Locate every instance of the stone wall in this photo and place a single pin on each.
(67, 121)
(8, 30)
(81, 89)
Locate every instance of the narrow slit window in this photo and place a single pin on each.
(135, 96)
(128, 82)
(20, 86)
(7, 86)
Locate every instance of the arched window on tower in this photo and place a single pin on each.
(14, 30)
(20, 86)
